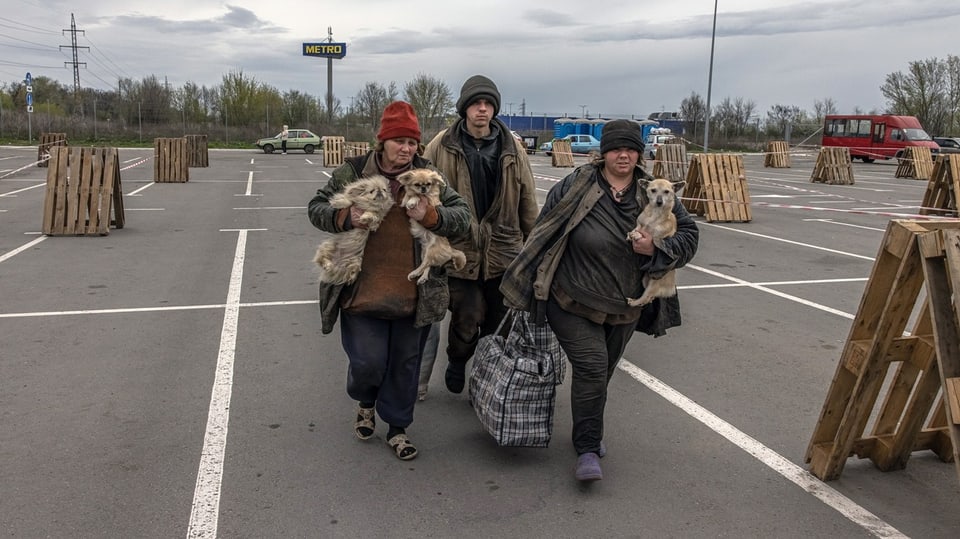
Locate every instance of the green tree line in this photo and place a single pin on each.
(241, 109)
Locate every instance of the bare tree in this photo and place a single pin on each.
(743, 109)
(371, 100)
(821, 108)
(693, 110)
(431, 98)
(921, 92)
(783, 117)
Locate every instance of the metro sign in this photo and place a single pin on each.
(325, 50)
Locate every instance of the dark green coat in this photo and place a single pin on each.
(433, 296)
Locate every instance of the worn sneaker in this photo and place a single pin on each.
(588, 468)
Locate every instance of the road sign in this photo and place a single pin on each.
(29, 89)
(28, 79)
(29, 108)
(325, 50)
(29, 99)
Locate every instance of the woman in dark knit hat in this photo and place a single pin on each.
(384, 317)
(577, 269)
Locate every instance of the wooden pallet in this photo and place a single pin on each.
(878, 354)
(717, 188)
(83, 184)
(170, 161)
(778, 154)
(562, 154)
(940, 197)
(332, 151)
(355, 149)
(671, 162)
(916, 163)
(197, 153)
(833, 167)
(49, 141)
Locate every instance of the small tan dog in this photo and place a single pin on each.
(341, 256)
(422, 182)
(657, 221)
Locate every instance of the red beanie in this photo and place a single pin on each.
(399, 120)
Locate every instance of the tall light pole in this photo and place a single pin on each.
(583, 109)
(713, 38)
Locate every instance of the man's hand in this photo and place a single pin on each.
(417, 212)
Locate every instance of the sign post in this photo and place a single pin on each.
(29, 82)
(328, 50)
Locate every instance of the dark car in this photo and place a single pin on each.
(948, 144)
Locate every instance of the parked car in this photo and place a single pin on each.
(529, 141)
(579, 145)
(654, 141)
(948, 144)
(297, 139)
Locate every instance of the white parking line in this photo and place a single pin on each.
(206, 495)
(21, 249)
(793, 473)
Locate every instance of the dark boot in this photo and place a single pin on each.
(455, 377)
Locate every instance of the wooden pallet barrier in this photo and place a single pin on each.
(170, 161)
(332, 151)
(717, 188)
(562, 154)
(941, 195)
(355, 149)
(916, 163)
(671, 162)
(83, 185)
(49, 141)
(833, 166)
(778, 154)
(197, 153)
(915, 367)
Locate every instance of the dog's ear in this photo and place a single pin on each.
(643, 183)
(405, 177)
(678, 186)
(438, 179)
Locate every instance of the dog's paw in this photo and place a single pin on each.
(414, 275)
(638, 302)
(411, 202)
(459, 260)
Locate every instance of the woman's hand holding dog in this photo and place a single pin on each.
(642, 243)
(419, 211)
(356, 218)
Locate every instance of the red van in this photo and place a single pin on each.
(871, 137)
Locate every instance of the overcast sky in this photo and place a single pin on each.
(610, 58)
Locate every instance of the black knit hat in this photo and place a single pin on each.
(621, 134)
(475, 88)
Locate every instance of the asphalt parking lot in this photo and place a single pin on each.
(170, 379)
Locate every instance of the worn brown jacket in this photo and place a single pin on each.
(495, 239)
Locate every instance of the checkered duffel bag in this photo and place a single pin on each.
(513, 381)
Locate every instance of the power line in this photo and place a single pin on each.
(45, 47)
(23, 25)
(122, 74)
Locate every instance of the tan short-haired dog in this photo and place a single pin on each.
(657, 221)
(423, 182)
(340, 257)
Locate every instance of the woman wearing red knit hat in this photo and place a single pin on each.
(384, 317)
